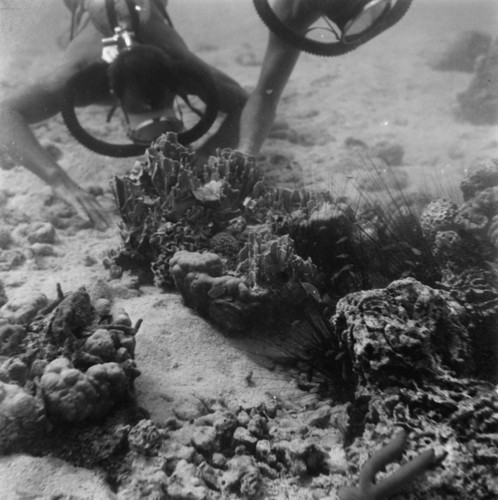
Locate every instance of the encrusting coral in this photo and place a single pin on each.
(406, 332)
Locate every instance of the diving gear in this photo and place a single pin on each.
(145, 128)
(365, 19)
(122, 18)
(97, 74)
(112, 46)
(97, 11)
(107, 15)
(355, 22)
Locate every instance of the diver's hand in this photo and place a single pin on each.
(86, 206)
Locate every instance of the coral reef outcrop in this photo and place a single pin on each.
(464, 242)
(403, 333)
(265, 237)
(69, 364)
(411, 354)
(405, 299)
(169, 204)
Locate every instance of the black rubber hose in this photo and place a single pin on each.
(211, 98)
(274, 24)
(96, 71)
(93, 73)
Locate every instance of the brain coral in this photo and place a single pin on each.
(67, 392)
(73, 396)
(225, 244)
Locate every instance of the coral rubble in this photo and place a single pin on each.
(232, 453)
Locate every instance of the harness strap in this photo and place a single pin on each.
(79, 20)
(135, 20)
(162, 9)
(110, 10)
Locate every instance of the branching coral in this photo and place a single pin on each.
(368, 489)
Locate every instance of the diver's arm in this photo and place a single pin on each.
(31, 105)
(278, 63)
(232, 100)
(40, 101)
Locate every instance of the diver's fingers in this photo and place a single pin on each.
(93, 211)
(85, 205)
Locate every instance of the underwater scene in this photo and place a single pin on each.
(249, 249)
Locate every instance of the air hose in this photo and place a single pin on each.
(97, 71)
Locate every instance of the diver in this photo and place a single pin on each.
(128, 54)
(351, 22)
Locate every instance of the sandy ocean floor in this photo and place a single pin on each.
(385, 91)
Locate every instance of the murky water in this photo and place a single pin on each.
(385, 90)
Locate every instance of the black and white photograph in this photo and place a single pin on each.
(249, 249)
